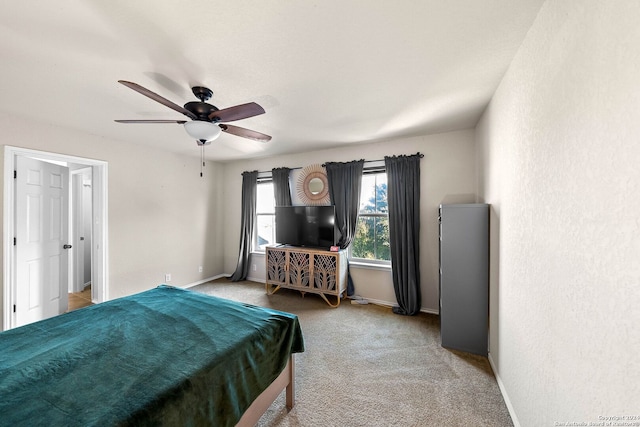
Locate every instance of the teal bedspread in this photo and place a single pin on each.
(166, 356)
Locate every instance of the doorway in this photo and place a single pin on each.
(80, 228)
(94, 232)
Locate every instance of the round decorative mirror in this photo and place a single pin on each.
(316, 186)
(313, 186)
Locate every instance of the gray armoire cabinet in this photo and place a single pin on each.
(464, 277)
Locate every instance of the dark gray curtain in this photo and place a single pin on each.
(403, 198)
(249, 185)
(281, 190)
(345, 180)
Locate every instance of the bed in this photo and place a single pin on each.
(167, 356)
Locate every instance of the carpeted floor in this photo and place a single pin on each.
(365, 366)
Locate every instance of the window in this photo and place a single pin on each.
(371, 243)
(265, 233)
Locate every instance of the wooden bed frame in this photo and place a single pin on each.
(286, 379)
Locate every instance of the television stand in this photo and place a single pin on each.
(317, 271)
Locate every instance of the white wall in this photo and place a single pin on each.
(447, 168)
(163, 218)
(559, 162)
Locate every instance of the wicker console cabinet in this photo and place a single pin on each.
(307, 270)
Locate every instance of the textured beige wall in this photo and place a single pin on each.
(447, 168)
(558, 160)
(163, 218)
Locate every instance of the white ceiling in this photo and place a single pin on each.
(328, 72)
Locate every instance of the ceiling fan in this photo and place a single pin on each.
(207, 121)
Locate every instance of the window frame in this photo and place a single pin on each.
(254, 244)
(367, 262)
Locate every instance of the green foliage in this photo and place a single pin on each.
(372, 233)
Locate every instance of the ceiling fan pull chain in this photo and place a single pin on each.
(201, 159)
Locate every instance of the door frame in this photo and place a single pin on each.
(100, 248)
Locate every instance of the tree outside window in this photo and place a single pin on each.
(372, 233)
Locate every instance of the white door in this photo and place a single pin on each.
(42, 194)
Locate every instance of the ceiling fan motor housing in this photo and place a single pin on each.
(201, 109)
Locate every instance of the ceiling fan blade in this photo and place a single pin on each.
(164, 101)
(245, 133)
(180, 122)
(236, 113)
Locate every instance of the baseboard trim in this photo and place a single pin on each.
(221, 276)
(372, 301)
(430, 311)
(200, 282)
(391, 304)
(503, 391)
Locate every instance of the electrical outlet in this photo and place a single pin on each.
(167, 277)
(254, 267)
(200, 269)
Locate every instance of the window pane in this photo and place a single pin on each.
(363, 245)
(382, 239)
(367, 194)
(372, 239)
(265, 231)
(265, 218)
(264, 198)
(373, 193)
(381, 193)
(372, 233)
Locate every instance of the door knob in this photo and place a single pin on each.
(66, 247)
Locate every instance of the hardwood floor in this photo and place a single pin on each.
(80, 299)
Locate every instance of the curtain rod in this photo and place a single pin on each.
(419, 154)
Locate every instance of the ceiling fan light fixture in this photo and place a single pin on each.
(202, 131)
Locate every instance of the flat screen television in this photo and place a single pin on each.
(312, 226)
